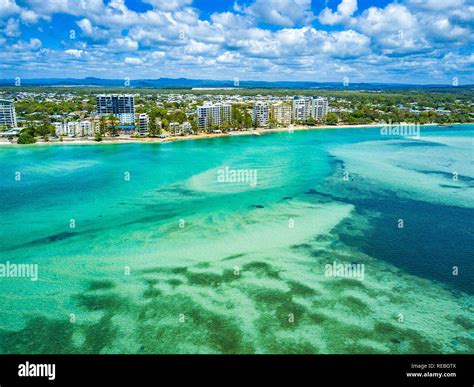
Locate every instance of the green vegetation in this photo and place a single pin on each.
(26, 138)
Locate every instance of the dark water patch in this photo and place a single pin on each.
(100, 335)
(151, 292)
(290, 314)
(210, 279)
(449, 186)
(100, 285)
(169, 270)
(151, 281)
(107, 302)
(446, 175)
(61, 236)
(174, 282)
(299, 289)
(317, 318)
(301, 247)
(287, 198)
(231, 257)
(257, 206)
(208, 330)
(434, 238)
(357, 306)
(415, 144)
(340, 284)
(398, 336)
(262, 269)
(39, 336)
(464, 322)
(291, 347)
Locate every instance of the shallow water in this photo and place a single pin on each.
(165, 258)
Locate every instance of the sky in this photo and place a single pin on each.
(403, 41)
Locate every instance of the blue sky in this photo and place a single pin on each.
(404, 41)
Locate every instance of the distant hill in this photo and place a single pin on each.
(208, 83)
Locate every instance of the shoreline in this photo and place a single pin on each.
(170, 139)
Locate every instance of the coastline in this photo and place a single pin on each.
(202, 136)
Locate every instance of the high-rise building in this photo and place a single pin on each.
(7, 114)
(210, 115)
(319, 108)
(281, 113)
(143, 122)
(260, 114)
(122, 105)
(301, 108)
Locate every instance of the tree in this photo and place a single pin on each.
(44, 130)
(332, 119)
(98, 136)
(26, 138)
(102, 125)
(113, 121)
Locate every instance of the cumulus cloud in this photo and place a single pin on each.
(75, 53)
(285, 13)
(257, 38)
(343, 15)
(133, 61)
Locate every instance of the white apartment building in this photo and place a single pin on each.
(301, 108)
(85, 129)
(210, 115)
(186, 128)
(72, 128)
(174, 127)
(260, 114)
(143, 123)
(281, 113)
(58, 128)
(7, 114)
(319, 108)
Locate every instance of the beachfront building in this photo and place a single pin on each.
(260, 114)
(7, 114)
(143, 123)
(85, 128)
(211, 115)
(174, 128)
(301, 108)
(319, 108)
(58, 128)
(186, 128)
(121, 105)
(281, 113)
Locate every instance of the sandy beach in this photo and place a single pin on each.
(123, 139)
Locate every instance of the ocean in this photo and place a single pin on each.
(223, 245)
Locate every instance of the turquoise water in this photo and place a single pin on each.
(166, 258)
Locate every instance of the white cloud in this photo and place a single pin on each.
(285, 13)
(124, 44)
(12, 28)
(8, 8)
(75, 53)
(32, 45)
(133, 61)
(168, 5)
(343, 15)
